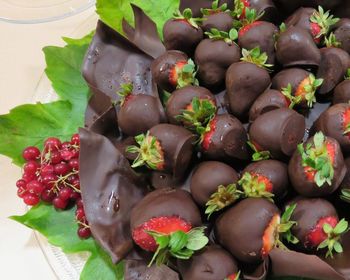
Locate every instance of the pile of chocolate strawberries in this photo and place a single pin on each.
(222, 151)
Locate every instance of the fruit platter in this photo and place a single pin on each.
(194, 139)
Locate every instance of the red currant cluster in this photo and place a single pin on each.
(52, 175)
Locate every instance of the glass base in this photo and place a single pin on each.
(38, 11)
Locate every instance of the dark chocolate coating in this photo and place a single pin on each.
(275, 171)
(138, 270)
(290, 6)
(342, 33)
(213, 57)
(138, 115)
(296, 47)
(345, 184)
(332, 69)
(228, 140)
(144, 35)
(262, 36)
(222, 21)
(306, 188)
(197, 5)
(307, 214)
(301, 18)
(278, 131)
(182, 36)
(342, 10)
(109, 191)
(212, 263)
(331, 123)
(342, 92)
(176, 143)
(182, 97)
(267, 7)
(241, 228)
(244, 83)
(165, 202)
(270, 100)
(162, 67)
(207, 177)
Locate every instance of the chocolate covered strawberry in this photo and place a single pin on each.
(276, 133)
(265, 8)
(317, 167)
(173, 70)
(223, 138)
(342, 34)
(341, 93)
(191, 106)
(335, 123)
(164, 147)
(316, 22)
(260, 224)
(137, 113)
(217, 17)
(166, 222)
(214, 55)
(246, 80)
(213, 262)
(298, 86)
(182, 32)
(317, 226)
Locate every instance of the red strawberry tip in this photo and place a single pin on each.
(183, 74)
(256, 185)
(321, 22)
(234, 276)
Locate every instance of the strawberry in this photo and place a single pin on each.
(206, 136)
(240, 7)
(346, 122)
(256, 185)
(249, 21)
(234, 276)
(182, 74)
(259, 153)
(125, 93)
(217, 17)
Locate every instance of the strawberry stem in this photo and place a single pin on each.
(228, 37)
(187, 16)
(286, 225)
(324, 20)
(250, 17)
(186, 74)
(256, 57)
(310, 89)
(124, 91)
(294, 100)
(253, 187)
(331, 41)
(258, 155)
(215, 8)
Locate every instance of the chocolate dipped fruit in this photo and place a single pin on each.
(223, 138)
(345, 184)
(276, 133)
(266, 178)
(341, 93)
(165, 147)
(317, 167)
(191, 106)
(270, 100)
(317, 226)
(296, 47)
(335, 123)
(217, 17)
(214, 55)
(167, 222)
(182, 32)
(211, 263)
(316, 22)
(212, 185)
(252, 228)
(298, 86)
(342, 34)
(138, 113)
(173, 70)
(246, 80)
(265, 8)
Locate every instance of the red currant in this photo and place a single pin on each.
(55, 157)
(74, 163)
(35, 187)
(52, 144)
(46, 169)
(21, 184)
(31, 153)
(66, 155)
(49, 180)
(21, 192)
(47, 195)
(62, 168)
(79, 214)
(28, 177)
(75, 140)
(31, 167)
(59, 203)
(75, 196)
(84, 232)
(65, 193)
(31, 199)
(66, 145)
(79, 203)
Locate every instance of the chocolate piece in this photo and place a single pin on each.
(145, 34)
(228, 140)
(162, 67)
(309, 188)
(107, 125)
(276, 172)
(138, 270)
(138, 114)
(182, 98)
(207, 177)
(221, 21)
(270, 100)
(290, 6)
(165, 202)
(332, 69)
(176, 143)
(345, 184)
(244, 83)
(212, 263)
(301, 18)
(197, 5)
(267, 7)
(213, 57)
(342, 33)
(342, 92)
(261, 34)
(109, 191)
(241, 228)
(278, 131)
(181, 35)
(333, 123)
(296, 47)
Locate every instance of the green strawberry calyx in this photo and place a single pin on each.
(215, 8)
(186, 74)
(258, 155)
(256, 57)
(253, 187)
(324, 20)
(187, 16)
(228, 37)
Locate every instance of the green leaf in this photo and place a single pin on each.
(196, 239)
(337, 247)
(327, 228)
(178, 241)
(341, 227)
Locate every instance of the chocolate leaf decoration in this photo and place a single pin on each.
(109, 191)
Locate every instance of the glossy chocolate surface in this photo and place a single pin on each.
(267, 7)
(138, 270)
(221, 21)
(342, 33)
(301, 18)
(342, 92)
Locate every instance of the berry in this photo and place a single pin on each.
(46, 169)
(65, 193)
(206, 138)
(74, 196)
(79, 203)
(59, 203)
(31, 199)
(84, 232)
(75, 140)
(62, 169)
(80, 214)
(317, 235)
(21, 191)
(21, 184)
(52, 144)
(247, 27)
(35, 187)
(55, 157)
(66, 155)
(66, 146)
(28, 177)
(31, 167)
(31, 153)
(269, 237)
(47, 195)
(49, 180)
(74, 163)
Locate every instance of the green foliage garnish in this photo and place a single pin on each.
(228, 37)
(333, 237)
(311, 88)
(238, 9)
(250, 16)
(286, 225)
(215, 8)
(331, 41)
(252, 187)
(316, 157)
(294, 100)
(125, 91)
(187, 15)
(258, 155)
(256, 57)
(324, 19)
(187, 75)
(179, 244)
